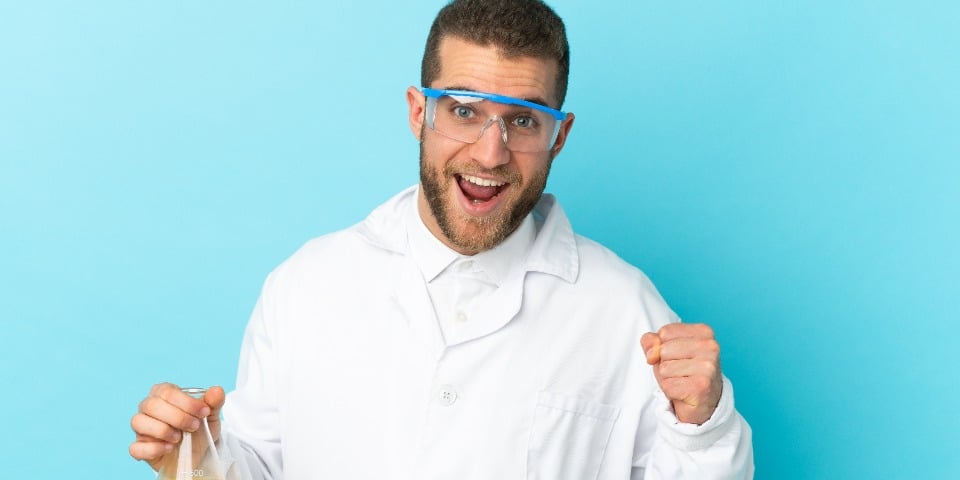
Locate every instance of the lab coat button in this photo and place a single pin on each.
(466, 265)
(447, 395)
(461, 317)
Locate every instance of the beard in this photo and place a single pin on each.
(472, 234)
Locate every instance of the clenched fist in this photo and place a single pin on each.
(686, 362)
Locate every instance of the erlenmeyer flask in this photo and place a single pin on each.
(196, 457)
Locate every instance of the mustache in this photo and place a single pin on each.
(500, 172)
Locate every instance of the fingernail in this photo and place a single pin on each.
(205, 412)
(195, 424)
(168, 448)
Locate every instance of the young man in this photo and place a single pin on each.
(463, 330)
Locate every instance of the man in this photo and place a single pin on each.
(463, 330)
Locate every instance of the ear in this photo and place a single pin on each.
(565, 127)
(417, 104)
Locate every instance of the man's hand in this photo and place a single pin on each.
(165, 413)
(686, 362)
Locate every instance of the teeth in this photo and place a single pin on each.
(482, 181)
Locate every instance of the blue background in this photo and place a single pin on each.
(785, 171)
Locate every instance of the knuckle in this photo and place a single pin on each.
(146, 405)
(710, 369)
(711, 346)
(153, 405)
(159, 388)
(134, 422)
(705, 330)
(701, 384)
(665, 330)
(166, 391)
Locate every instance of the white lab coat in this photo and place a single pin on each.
(344, 372)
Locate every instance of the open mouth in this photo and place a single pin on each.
(479, 190)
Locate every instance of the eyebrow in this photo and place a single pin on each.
(537, 100)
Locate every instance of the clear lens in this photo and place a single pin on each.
(465, 119)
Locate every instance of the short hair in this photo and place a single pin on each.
(518, 28)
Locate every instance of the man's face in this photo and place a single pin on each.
(472, 196)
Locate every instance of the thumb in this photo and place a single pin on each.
(651, 347)
(214, 398)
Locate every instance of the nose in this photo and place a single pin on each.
(490, 150)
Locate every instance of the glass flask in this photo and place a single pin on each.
(195, 457)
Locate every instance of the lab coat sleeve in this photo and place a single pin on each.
(251, 425)
(721, 448)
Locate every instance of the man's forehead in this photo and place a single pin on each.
(465, 65)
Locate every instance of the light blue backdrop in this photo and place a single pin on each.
(786, 171)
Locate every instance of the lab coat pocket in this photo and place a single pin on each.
(568, 438)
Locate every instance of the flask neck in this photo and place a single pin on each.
(194, 392)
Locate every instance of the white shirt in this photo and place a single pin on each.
(345, 372)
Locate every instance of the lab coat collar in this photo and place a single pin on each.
(554, 249)
(434, 257)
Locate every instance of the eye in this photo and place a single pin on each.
(462, 111)
(525, 121)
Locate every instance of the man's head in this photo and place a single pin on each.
(481, 171)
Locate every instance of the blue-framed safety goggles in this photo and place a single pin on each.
(462, 115)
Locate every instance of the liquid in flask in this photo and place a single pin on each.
(195, 457)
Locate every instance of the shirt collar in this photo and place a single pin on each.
(510, 254)
(433, 256)
(553, 250)
(428, 251)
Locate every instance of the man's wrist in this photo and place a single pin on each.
(690, 437)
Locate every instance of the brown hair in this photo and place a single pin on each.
(518, 28)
